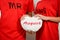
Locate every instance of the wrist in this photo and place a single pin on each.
(47, 18)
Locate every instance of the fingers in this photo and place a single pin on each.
(37, 15)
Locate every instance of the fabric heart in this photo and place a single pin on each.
(31, 23)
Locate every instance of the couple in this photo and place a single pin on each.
(13, 10)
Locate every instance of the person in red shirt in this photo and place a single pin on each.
(48, 18)
(49, 30)
(11, 12)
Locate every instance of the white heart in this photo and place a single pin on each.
(31, 23)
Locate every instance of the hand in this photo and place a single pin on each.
(42, 17)
(37, 15)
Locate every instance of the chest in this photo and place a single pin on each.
(14, 4)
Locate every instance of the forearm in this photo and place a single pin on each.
(54, 19)
(48, 18)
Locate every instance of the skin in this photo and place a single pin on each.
(47, 18)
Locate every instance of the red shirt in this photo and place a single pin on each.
(49, 30)
(12, 10)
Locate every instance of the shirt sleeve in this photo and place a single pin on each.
(30, 6)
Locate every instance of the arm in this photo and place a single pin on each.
(47, 18)
(54, 19)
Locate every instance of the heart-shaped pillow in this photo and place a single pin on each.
(31, 23)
